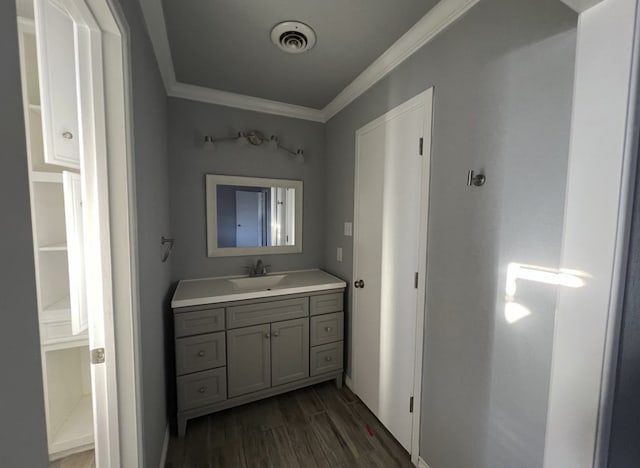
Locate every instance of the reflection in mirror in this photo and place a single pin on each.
(248, 216)
(255, 216)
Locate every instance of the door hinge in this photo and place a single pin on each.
(411, 405)
(421, 145)
(415, 281)
(97, 356)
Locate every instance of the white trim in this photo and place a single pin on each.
(584, 358)
(348, 382)
(122, 193)
(431, 24)
(435, 21)
(240, 101)
(425, 100)
(165, 448)
(580, 5)
(154, 18)
(422, 463)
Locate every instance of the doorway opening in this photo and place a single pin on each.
(75, 86)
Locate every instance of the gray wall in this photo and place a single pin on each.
(624, 450)
(190, 161)
(23, 440)
(152, 197)
(503, 78)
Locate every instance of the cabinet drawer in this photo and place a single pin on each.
(326, 358)
(266, 312)
(327, 328)
(203, 388)
(198, 322)
(201, 352)
(326, 303)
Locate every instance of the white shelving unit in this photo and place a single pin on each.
(65, 356)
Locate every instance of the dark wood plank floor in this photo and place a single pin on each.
(316, 427)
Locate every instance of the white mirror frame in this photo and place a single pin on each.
(212, 182)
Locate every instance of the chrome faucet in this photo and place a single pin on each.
(260, 269)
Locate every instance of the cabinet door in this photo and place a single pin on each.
(249, 359)
(75, 250)
(289, 351)
(57, 44)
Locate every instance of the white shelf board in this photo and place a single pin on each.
(77, 430)
(53, 248)
(63, 304)
(73, 341)
(47, 177)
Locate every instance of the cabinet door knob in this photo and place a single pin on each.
(267, 335)
(201, 353)
(327, 329)
(359, 284)
(327, 358)
(276, 334)
(202, 389)
(67, 135)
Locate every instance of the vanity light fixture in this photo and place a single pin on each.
(256, 138)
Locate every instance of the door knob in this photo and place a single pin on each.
(359, 284)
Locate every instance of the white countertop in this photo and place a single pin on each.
(220, 289)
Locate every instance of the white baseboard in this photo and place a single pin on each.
(422, 463)
(165, 448)
(348, 382)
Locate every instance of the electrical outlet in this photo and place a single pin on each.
(339, 254)
(348, 229)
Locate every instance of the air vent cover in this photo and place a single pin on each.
(293, 37)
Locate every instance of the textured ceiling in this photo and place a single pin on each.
(225, 44)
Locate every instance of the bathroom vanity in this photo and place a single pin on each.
(241, 339)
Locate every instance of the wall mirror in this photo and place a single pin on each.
(253, 216)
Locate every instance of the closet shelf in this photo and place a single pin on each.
(53, 248)
(47, 177)
(63, 305)
(77, 430)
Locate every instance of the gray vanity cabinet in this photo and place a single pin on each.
(289, 351)
(249, 359)
(229, 354)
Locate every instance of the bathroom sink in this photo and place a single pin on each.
(256, 283)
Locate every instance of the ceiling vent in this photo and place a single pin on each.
(293, 37)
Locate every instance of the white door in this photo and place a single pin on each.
(72, 185)
(57, 46)
(391, 202)
(249, 208)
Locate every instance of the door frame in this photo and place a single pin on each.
(109, 181)
(425, 100)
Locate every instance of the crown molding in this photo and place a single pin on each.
(435, 21)
(443, 14)
(581, 5)
(240, 101)
(154, 18)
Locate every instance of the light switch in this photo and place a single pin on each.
(339, 254)
(348, 229)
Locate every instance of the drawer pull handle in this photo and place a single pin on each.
(267, 335)
(67, 135)
(201, 353)
(327, 358)
(276, 334)
(327, 329)
(202, 389)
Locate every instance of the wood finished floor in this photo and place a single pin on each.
(79, 460)
(316, 427)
